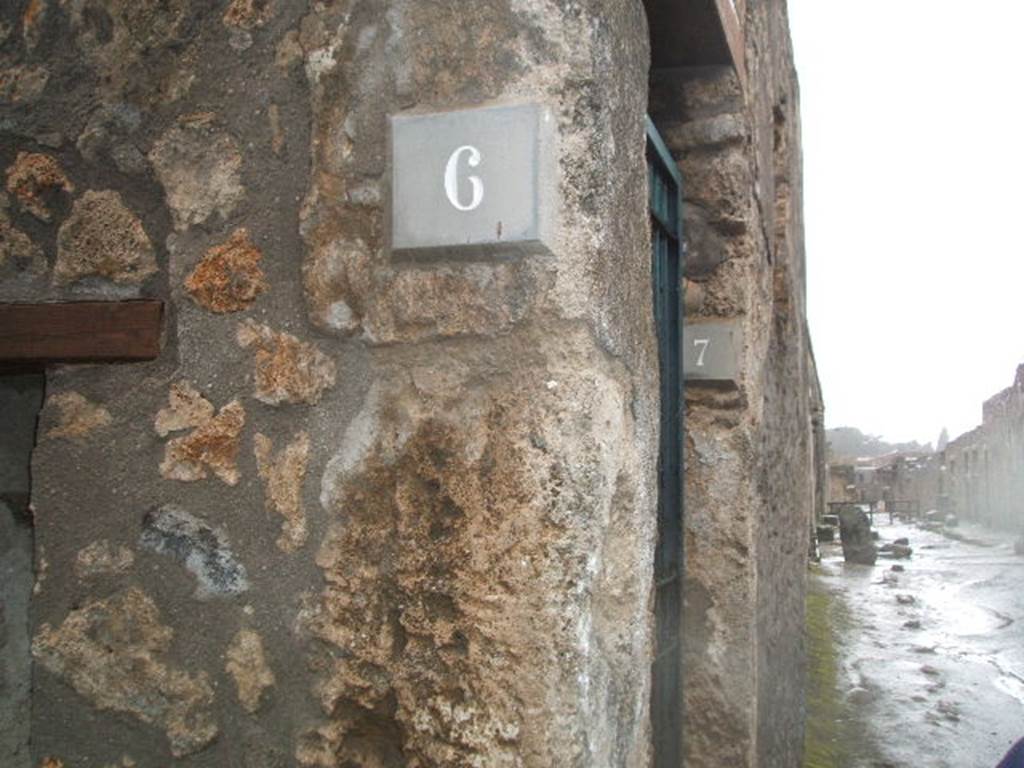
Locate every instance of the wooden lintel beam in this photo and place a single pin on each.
(79, 332)
(696, 33)
(733, 30)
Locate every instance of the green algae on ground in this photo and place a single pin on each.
(828, 738)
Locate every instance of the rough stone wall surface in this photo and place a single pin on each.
(360, 511)
(984, 468)
(754, 476)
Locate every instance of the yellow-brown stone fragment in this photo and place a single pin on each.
(199, 166)
(103, 238)
(282, 478)
(101, 557)
(229, 278)
(110, 651)
(247, 664)
(213, 445)
(287, 370)
(213, 442)
(77, 417)
(187, 408)
(51, 762)
(30, 175)
(248, 13)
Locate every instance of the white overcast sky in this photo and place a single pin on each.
(913, 144)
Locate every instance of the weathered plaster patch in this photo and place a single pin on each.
(247, 664)
(287, 370)
(199, 166)
(103, 238)
(110, 652)
(229, 278)
(282, 477)
(203, 550)
(213, 444)
(30, 176)
(360, 437)
(395, 568)
(77, 417)
(445, 524)
(102, 558)
(18, 254)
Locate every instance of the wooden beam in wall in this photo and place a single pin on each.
(696, 33)
(79, 332)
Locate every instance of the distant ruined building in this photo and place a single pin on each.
(368, 433)
(984, 468)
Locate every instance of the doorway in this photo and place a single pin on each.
(21, 398)
(664, 185)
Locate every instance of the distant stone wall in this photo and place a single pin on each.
(754, 452)
(984, 468)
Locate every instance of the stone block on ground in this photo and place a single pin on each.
(855, 534)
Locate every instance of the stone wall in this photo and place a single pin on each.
(754, 452)
(361, 511)
(984, 468)
(378, 511)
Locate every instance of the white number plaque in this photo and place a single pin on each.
(711, 352)
(477, 182)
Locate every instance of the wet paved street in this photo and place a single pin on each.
(928, 662)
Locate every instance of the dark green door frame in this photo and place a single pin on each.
(665, 192)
